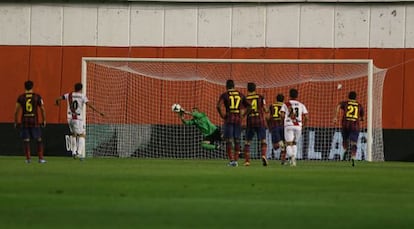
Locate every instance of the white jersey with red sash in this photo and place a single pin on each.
(293, 112)
(76, 102)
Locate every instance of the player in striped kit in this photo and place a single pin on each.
(28, 104)
(352, 115)
(295, 116)
(76, 101)
(233, 101)
(255, 123)
(276, 127)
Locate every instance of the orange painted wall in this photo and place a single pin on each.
(55, 69)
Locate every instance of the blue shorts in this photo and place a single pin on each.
(232, 130)
(350, 135)
(260, 131)
(278, 134)
(30, 133)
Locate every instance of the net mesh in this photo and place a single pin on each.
(136, 97)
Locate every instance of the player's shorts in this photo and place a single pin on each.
(30, 133)
(293, 133)
(278, 134)
(352, 135)
(214, 137)
(76, 126)
(260, 131)
(232, 130)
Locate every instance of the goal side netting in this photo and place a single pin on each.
(136, 95)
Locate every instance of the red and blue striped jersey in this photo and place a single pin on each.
(30, 102)
(255, 118)
(234, 101)
(353, 113)
(275, 117)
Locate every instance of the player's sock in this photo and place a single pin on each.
(353, 151)
(263, 148)
(26, 147)
(246, 152)
(283, 156)
(208, 146)
(40, 149)
(289, 152)
(295, 153)
(73, 144)
(353, 154)
(274, 149)
(294, 150)
(81, 145)
(236, 151)
(293, 161)
(229, 149)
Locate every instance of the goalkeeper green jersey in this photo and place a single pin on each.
(201, 121)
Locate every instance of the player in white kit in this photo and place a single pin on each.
(76, 101)
(295, 115)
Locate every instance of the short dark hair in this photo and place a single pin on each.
(78, 86)
(280, 97)
(229, 84)
(293, 93)
(251, 87)
(28, 85)
(352, 95)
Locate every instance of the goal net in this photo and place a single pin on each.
(136, 95)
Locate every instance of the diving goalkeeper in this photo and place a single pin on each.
(211, 133)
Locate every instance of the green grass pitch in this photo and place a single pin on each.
(160, 193)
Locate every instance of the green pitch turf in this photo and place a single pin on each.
(144, 193)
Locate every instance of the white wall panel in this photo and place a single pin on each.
(387, 26)
(214, 27)
(147, 25)
(113, 25)
(15, 24)
(248, 26)
(409, 27)
(374, 25)
(352, 26)
(79, 24)
(46, 25)
(316, 26)
(282, 26)
(180, 26)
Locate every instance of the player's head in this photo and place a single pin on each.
(229, 84)
(251, 87)
(352, 95)
(280, 97)
(293, 93)
(78, 87)
(28, 85)
(195, 109)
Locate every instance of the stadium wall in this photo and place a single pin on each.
(45, 42)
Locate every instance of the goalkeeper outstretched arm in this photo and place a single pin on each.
(183, 120)
(211, 133)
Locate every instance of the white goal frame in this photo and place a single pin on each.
(368, 62)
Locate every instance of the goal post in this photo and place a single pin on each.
(136, 95)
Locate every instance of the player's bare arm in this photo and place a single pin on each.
(16, 114)
(94, 109)
(336, 113)
(43, 112)
(282, 114)
(57, 101)
(305, 120)
(219, 109)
